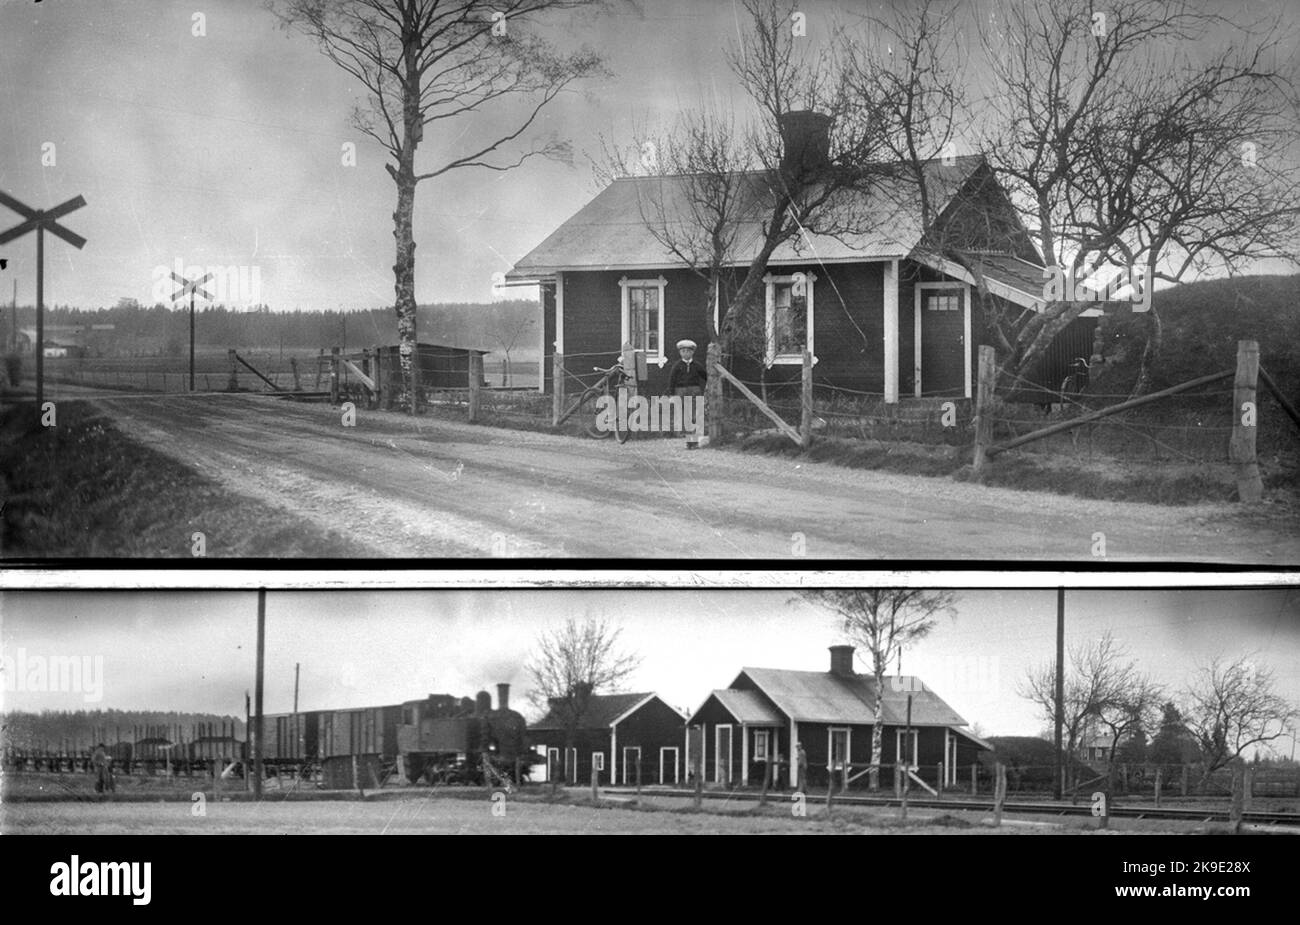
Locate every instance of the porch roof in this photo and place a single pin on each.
(748, 707)
(611, 231)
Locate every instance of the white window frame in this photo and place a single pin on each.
(772, 281)
(916, 748)
(918, 307)
(624, 284)
(598, 760)
(766, 736)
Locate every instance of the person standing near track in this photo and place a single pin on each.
(103, 763)
(687, 379)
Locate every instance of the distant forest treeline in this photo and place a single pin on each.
(81, 729)
(139, 330)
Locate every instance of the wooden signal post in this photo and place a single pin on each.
(189, 287)
(40, 221)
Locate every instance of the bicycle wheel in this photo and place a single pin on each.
(587, 408)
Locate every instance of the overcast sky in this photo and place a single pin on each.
(226, 149)
(195, 651)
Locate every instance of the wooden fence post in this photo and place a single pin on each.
(233, 384)
(984, 392)
(557, 388)
(999, 793)
(297, 381)
(334, 375)
(475, 384)
(1238, 799)
(974, 778)
(906, 781)
(699, 772)
(595, 781)
(638, 777)
(806, 403)
(1182, 790)
(1248, 787)
(1245, 417)
(1158, 782)
(713, 392)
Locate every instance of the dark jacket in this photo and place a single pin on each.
(684, 375)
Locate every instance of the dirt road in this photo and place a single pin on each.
(428, 488)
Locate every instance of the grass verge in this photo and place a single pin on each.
(1169, 484)
(83, 489)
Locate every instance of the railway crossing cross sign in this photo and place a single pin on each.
(189, 287)
(40, 221)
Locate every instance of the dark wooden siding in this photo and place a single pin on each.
(586, 741)
(656, 725)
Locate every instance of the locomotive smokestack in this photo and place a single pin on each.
(503, 697)
(483, 702)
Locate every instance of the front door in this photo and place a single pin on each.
(943, 342)
(722, 774)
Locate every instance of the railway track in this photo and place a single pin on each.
(1185, 814)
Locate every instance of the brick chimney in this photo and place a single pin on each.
(503, 697)
(805, 142)
(842, 661)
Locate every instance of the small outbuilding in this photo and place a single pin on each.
(615, 733)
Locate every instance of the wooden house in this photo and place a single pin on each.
(613, 733)
(750, 728)
(879, 313)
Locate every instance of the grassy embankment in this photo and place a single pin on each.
(82, 489)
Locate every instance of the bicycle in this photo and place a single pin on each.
(611, 380)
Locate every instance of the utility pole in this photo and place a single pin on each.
(296, 666)
(1058, 788)
(257, 720)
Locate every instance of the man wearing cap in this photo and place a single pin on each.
(687, 378)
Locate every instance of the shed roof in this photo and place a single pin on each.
(823, 697)
(601, 712)
(611, 232)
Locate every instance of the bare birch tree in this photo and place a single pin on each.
(883, 622)
(439, 64)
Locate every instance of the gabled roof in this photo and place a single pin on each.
(747, 706)
(603, 710)
(610, 232)
(823, 697)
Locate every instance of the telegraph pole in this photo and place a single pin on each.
(257, 719)
(296, 666)
(1058, 787)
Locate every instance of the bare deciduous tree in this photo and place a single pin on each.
(1127, 146)
(438, 63)
(883, 622)
(574, 663)
(1232, 705)
(1103, 687)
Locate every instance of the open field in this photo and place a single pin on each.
(422, 487)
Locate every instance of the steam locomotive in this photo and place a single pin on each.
(440, 739)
